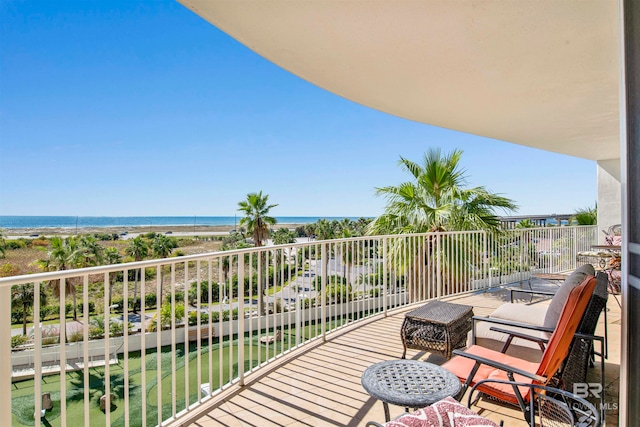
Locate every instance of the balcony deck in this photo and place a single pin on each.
(319, 385)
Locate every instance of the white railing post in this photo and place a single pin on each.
(323, 293)
(299, 308)
(385, 284)
(485, 259)
(5, 355)
(438, 267)
(241, 294)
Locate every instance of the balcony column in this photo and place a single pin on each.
(630, 155)
(5, 355)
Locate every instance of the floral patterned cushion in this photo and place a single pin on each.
(444, 413)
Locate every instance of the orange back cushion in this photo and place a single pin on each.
(572, 312)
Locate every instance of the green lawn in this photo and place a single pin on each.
(22, 396)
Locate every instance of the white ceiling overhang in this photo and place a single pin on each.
(540, 73)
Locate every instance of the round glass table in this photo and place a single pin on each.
(409, 383)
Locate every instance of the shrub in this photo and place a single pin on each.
(18, 340)
(204, 292)
(9, 269)
(116, 329)
(179, 297)
(331, 280)
(42, 242)
(92, 307)
(193, 318)
(49, 310)
(15, 244)
(165, 316)
(50, 335)
(105, 236)
(150, 300)
(76, 336)
(16, 317)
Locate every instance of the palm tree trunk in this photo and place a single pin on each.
(135, 292)
(75, 306)
(110, 288)
(24, 319)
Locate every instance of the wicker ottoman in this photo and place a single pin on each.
(438, 327)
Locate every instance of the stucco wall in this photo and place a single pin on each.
(609, 195)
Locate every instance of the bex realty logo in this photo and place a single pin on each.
(586, 390)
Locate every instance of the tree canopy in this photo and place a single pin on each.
(437, 199)
(257, 220)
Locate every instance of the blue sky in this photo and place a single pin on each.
(142, 108)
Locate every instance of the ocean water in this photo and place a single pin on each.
(140, 221)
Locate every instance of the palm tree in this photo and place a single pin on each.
(161, 247)
(91, 252)
(112, 256)
(3, 244)
(436, 199)
(138, 249)
(23, 296)
(586, 216)
(257, 219)
(282, 236)
(525, 223)
(325, 229)
(65, 254)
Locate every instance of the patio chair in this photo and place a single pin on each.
(581, 353)
(539, 315)
(478, 363)
(551, 406)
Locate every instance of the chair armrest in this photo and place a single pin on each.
(527, 291)
(511, 323)
(501, 366)
(517, 334)
(514, 334)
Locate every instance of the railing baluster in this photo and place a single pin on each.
(210, 329)
(143, 347)
(125, 319)
(174, 386)
(198, 332)
(63, 352)
(5, 355)
(85, 346)
(37, 332)
(186, 336)
(241, 294)
(106, 372)
(159, 326)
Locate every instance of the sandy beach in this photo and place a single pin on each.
(176, 230)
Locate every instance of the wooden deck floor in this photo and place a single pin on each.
(319, 385)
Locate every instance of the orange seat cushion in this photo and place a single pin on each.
(462, 366)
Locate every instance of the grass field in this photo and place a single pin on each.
(254, 352)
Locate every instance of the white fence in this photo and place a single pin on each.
(245, 309)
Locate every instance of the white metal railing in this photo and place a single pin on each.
(223, 315)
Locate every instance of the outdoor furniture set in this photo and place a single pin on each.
(541, 389)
